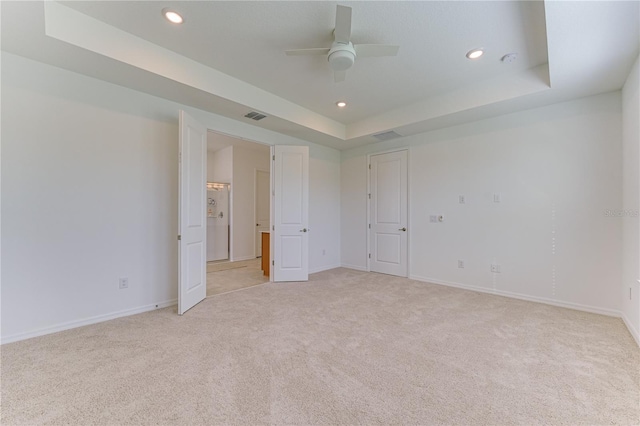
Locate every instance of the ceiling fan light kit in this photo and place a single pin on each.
(342, 54)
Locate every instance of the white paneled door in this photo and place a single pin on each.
(388, 213)
(192, 276)
(291, 213)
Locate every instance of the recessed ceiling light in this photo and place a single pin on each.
(341, 104)
(475, 53)
(172, 16)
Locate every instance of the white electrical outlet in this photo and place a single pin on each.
(461, 264)
(461, 199)
(495, 269)
(497, 198)
(123, 283)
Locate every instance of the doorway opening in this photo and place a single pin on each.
(238, 172)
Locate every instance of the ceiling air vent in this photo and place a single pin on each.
(385, 136)
(255, 116)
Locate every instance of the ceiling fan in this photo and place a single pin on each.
(342, 53)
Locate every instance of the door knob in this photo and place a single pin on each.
(303, 230)
(402, 229)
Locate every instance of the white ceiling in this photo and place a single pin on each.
(228, 57)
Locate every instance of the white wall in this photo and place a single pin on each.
(631, 201)
(324, 213)
(219, 164)
(557, 168)
(245, 162)
(89, 194)
(353, 203)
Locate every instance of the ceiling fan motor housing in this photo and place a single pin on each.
(341, 56)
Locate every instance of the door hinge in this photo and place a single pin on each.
(273, 228)
(369, 226)
(369, 196)
(369, 166)
(274, 158)
(273, 263)
(179, 237)
(369, 255)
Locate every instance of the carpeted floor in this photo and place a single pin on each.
(223, 277)
(346, 347)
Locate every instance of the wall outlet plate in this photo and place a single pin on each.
(123, 283)
(495, 269)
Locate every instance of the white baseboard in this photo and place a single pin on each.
(570, 305)
(357, 268)
(240, 259)
(323, 268)
(631, 328)
(87, 321)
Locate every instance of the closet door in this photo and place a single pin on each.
(388, 212)
(290, 230)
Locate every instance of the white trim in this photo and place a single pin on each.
(87, 321)
(409, 222)
(240, 259)
(255, 211)
(255, 205)
(631, 328)
(357, 268)
(570, 305)
(323, 268)
(577, 306)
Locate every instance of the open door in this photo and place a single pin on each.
(290, 230)
(192, 228)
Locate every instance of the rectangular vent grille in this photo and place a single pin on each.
(385, 136)
(255, 116)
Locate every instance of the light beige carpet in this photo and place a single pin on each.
(345, 348)
(230, 276)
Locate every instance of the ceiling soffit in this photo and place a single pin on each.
(68, 25)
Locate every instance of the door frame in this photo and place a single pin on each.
(367, 197)
(231, 185)
(255, 204)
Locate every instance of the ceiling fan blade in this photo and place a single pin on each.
(339, 76)
(307, 52)
(371, 50)
(342, 33)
